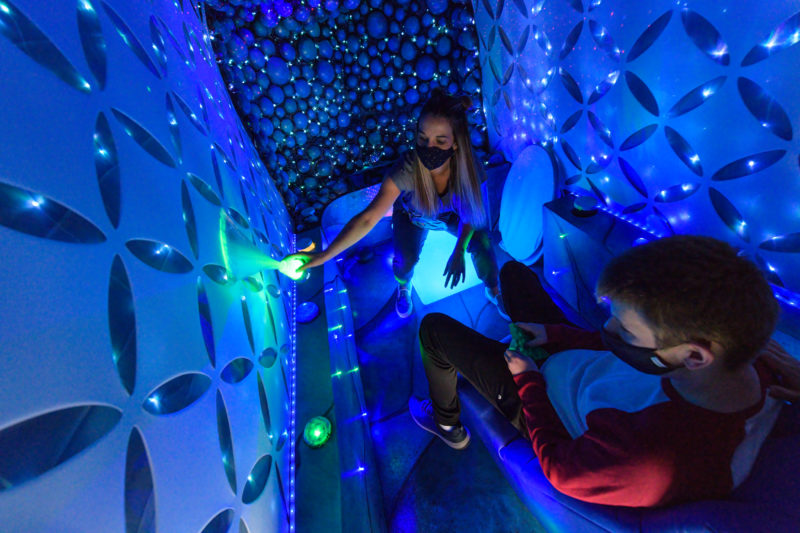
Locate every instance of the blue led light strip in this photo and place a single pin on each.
(292, 394)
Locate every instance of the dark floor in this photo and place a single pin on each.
(426, 485)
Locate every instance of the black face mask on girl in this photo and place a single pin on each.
(433, 157)
(642, 359)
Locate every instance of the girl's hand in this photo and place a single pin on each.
(517, 364)
(309, 260)
(455, 271)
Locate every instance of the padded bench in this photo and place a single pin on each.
(767, 501)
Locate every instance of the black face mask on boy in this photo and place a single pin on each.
(642, 359)
(433, 157)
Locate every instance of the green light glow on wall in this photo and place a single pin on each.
(317, 432)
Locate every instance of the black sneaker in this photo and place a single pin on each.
(422, 413)
(403, 306)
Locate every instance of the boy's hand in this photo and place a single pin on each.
(536, 331)
(786, 367)
(518, 364)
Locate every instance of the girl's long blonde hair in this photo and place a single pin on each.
(465, 172)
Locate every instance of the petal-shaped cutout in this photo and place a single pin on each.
(122, 324)
(306, 312)
(601, 129)
(571, 121)
(248, 326)
(268, 357)
(226, 442)
(677, 192)
(282, 439)
(499, 9)
(280, 489)
(205, 321)
(523, 39)
(638, 137)
(236, 370)
(217, 172)
(272, 324)
(204, 189)
(159, 45)
(94, 46)
(729, 214)
(696, 97)
(577, 5)
(274, 290)
(789, 243)
(238, 217)
(39, 444)
(603, 39)
(174, 131)
(203, 107)
(632, 176)
(597, 192)
(33, 214)
(748, 165)
(570, 85)
(658, 222)
(176, 394)
(705, 36)
(507, 78)
(523, 10)
(245, 203)
(188, 219)
(767, 269)
(243, 526)
(491, 38)
(784, 36)
(766, 109)
(106, 164)
(189, 114)
(506, 41)
(252, 283)
(24, 34)
(140, 501)
(219, 274)
(130, 39)
(159, 255)
(262, 398)
(190, 46)
(143, 138)
(572, 38)
(572, 180)
(684, 152)
(221, 523)
(571, 154)
(604, 86)
(649, 36)
(634, 208)
(257, 479)
(641, 92)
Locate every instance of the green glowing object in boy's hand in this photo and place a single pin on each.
(289, 265)
(519, 338)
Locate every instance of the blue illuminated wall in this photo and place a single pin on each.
(683, 115)
(142, 387)
(329, 88)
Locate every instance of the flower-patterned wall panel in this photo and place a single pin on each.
(143, 383)
(682, 115)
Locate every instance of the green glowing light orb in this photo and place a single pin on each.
(317, 431)
(288, 267)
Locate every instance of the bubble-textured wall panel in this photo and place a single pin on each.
(329, 88)
(676, 115)
(133, 391)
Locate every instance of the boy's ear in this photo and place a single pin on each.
(693, 355)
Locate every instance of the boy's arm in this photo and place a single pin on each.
(608, 464)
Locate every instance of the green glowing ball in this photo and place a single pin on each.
(288, 267)
(317, 431)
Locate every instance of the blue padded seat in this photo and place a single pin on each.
(768, 500)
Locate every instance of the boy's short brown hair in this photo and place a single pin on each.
(694, 288)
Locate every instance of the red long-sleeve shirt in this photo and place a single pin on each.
(606, 433)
